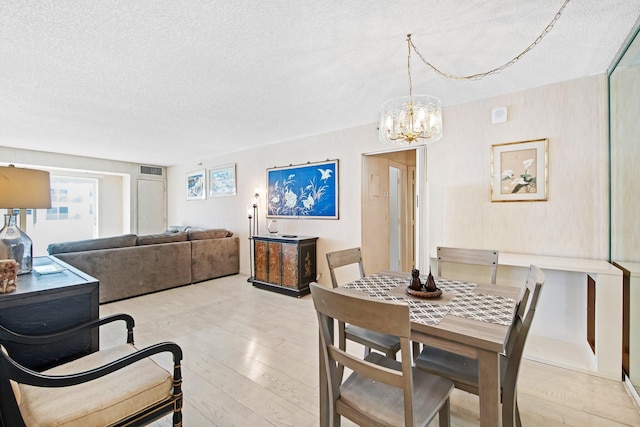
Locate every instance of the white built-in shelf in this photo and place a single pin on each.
(582, 265)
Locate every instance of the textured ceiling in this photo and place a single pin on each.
(167, 82)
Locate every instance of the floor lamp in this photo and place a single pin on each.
(21, 189)
(252, 214)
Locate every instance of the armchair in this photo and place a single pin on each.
(116, 386)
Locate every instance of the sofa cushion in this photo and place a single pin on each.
(152, 239)
(217, 233)
(178, 229)
(211, 258)
(123, 241)
(136, 270)
(103, 401)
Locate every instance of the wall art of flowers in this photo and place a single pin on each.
(519, 171)
(306, 191)
(522, 178)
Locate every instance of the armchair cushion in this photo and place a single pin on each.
(99, 402)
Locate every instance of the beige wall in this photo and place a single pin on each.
(573, 222)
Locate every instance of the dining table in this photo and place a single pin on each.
(468, 318)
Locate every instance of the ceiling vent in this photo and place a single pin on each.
(151, 170)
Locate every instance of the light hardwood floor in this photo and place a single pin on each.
(250, 359)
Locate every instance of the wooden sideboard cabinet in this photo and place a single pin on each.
(285, 264)
(46, 303)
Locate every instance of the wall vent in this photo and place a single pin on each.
(151, 170)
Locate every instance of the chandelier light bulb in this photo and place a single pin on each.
(411, 120)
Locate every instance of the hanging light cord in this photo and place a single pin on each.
(479, 76)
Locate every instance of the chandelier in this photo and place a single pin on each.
(417, 119)
(413, 119)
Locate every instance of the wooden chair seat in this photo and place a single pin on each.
(462, 370)
(385, 403)
(385, 343)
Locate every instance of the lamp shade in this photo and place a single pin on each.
(24, 188)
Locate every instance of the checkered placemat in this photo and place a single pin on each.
(465, 303)
(426, 313)
(375, 284)
(378, 284)
(454, 286)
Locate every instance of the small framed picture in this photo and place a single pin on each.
(222, 181)
(196, 185)
(520, 171)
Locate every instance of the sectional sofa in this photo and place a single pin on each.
(131, 265)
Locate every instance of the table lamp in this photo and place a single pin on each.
(21, 189)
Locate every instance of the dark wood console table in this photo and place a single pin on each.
(44, 303)
(284, 264)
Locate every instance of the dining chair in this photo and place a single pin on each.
(380, 390)
(387, 344)
(463, 371)
(116, 386)
(486, 257)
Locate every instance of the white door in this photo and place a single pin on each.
(151, 207)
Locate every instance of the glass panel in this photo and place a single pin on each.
(624, 110)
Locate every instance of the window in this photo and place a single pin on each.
(72, 215)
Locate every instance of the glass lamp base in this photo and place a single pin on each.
(16, 245)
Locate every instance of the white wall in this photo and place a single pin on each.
(573, 222)
(116, 212)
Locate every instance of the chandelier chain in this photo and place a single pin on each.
(479, 76)
(409, 64)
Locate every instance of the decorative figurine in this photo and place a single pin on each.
(430, 285)
(415, 284)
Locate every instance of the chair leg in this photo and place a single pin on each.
(518, 421)
(177, 417)
(416, 349)
(444, 415)
(510, 414)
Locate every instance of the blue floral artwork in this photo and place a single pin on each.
(305, 191)
(196, 185)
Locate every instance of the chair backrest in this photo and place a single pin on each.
(340, 259)
(525, 310)
(486, 257)
(390, 317)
